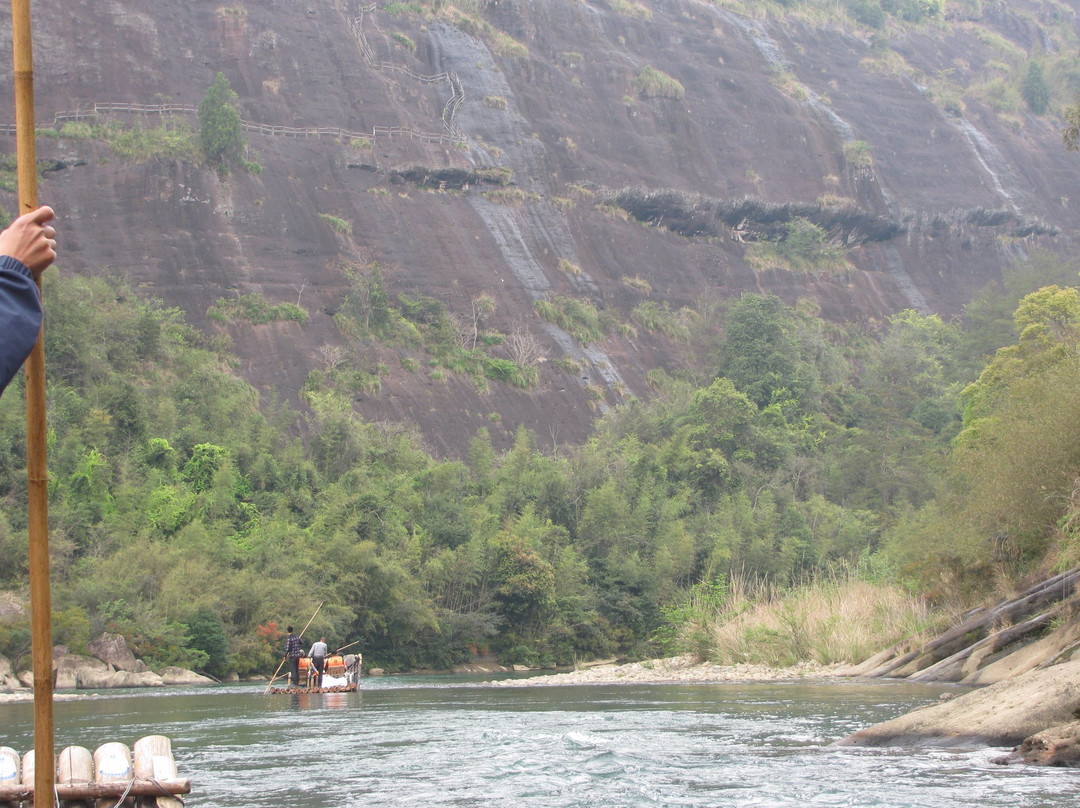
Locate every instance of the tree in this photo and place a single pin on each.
(208, 635)
(1034, 89)
(219, 124)
(759, 354)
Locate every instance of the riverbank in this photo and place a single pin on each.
(683, 669)
(28, 695)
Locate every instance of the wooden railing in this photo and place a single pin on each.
(356, 25)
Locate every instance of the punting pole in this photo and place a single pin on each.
(280, 664)
(36, 470)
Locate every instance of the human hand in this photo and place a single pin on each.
(31, 239)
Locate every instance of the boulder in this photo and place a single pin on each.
(26, 678)
(75, 671)
(8, 680)
(1056, 746)
(113, 649)
(89, 679)
(181, 676)
(1002, 714)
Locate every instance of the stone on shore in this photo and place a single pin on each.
(1056, 746)
(89, 673)
(8, 680)
(172, 675)
(113, 650)
(1001, 714)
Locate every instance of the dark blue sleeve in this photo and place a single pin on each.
(20, 316)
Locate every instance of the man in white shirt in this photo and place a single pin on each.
(318, 659)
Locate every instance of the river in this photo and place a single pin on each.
(434, 741)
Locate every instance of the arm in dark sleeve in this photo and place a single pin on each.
(20, 316)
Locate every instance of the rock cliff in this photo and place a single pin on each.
(520, 153)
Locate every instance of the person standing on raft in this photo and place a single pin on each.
(293, 652)
(318, 659)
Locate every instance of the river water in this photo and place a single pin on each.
(423, 742)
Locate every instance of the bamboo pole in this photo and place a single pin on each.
(301, 634)
(36, 469)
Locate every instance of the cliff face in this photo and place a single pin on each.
(774, 119)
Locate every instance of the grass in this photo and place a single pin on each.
(857, 154)
(336, 223)
(834, 618)
(569, 267)
(173, 139)
(405, 41)
(653, 83)
(659, 318)
(511, 196)
(804, 248)
(579, 318)
(256, 309)
(632, 8)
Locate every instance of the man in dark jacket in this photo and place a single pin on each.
(293, 652)
(27, 248)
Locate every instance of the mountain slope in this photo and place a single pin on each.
(519, 152)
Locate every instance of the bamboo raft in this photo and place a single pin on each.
(110, 776)
(342, 675)
(349, 688)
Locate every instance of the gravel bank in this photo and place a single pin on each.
(674, 669)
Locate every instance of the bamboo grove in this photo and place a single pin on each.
(197, 518)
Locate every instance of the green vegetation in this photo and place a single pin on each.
(338, 224)
(405, 41)
(418, 322)
(256, 309)
(1035, 90)
(653, 83)
(219, 125)
(172, 139)
(804, 247)
(403, 8)
(857, 154)
(653, 316)
(579, 318)
(833, 463)
(631, 7)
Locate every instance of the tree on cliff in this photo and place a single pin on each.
(219, 124)
(1035, 90)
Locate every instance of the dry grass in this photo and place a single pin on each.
(833, 619)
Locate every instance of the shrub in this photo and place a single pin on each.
(653, 316)
(653, 83)
(338, 224)
(257, 310)
(868, 12)
(404, 41)
(857, 153)
(1035, 91)
(77, 130)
